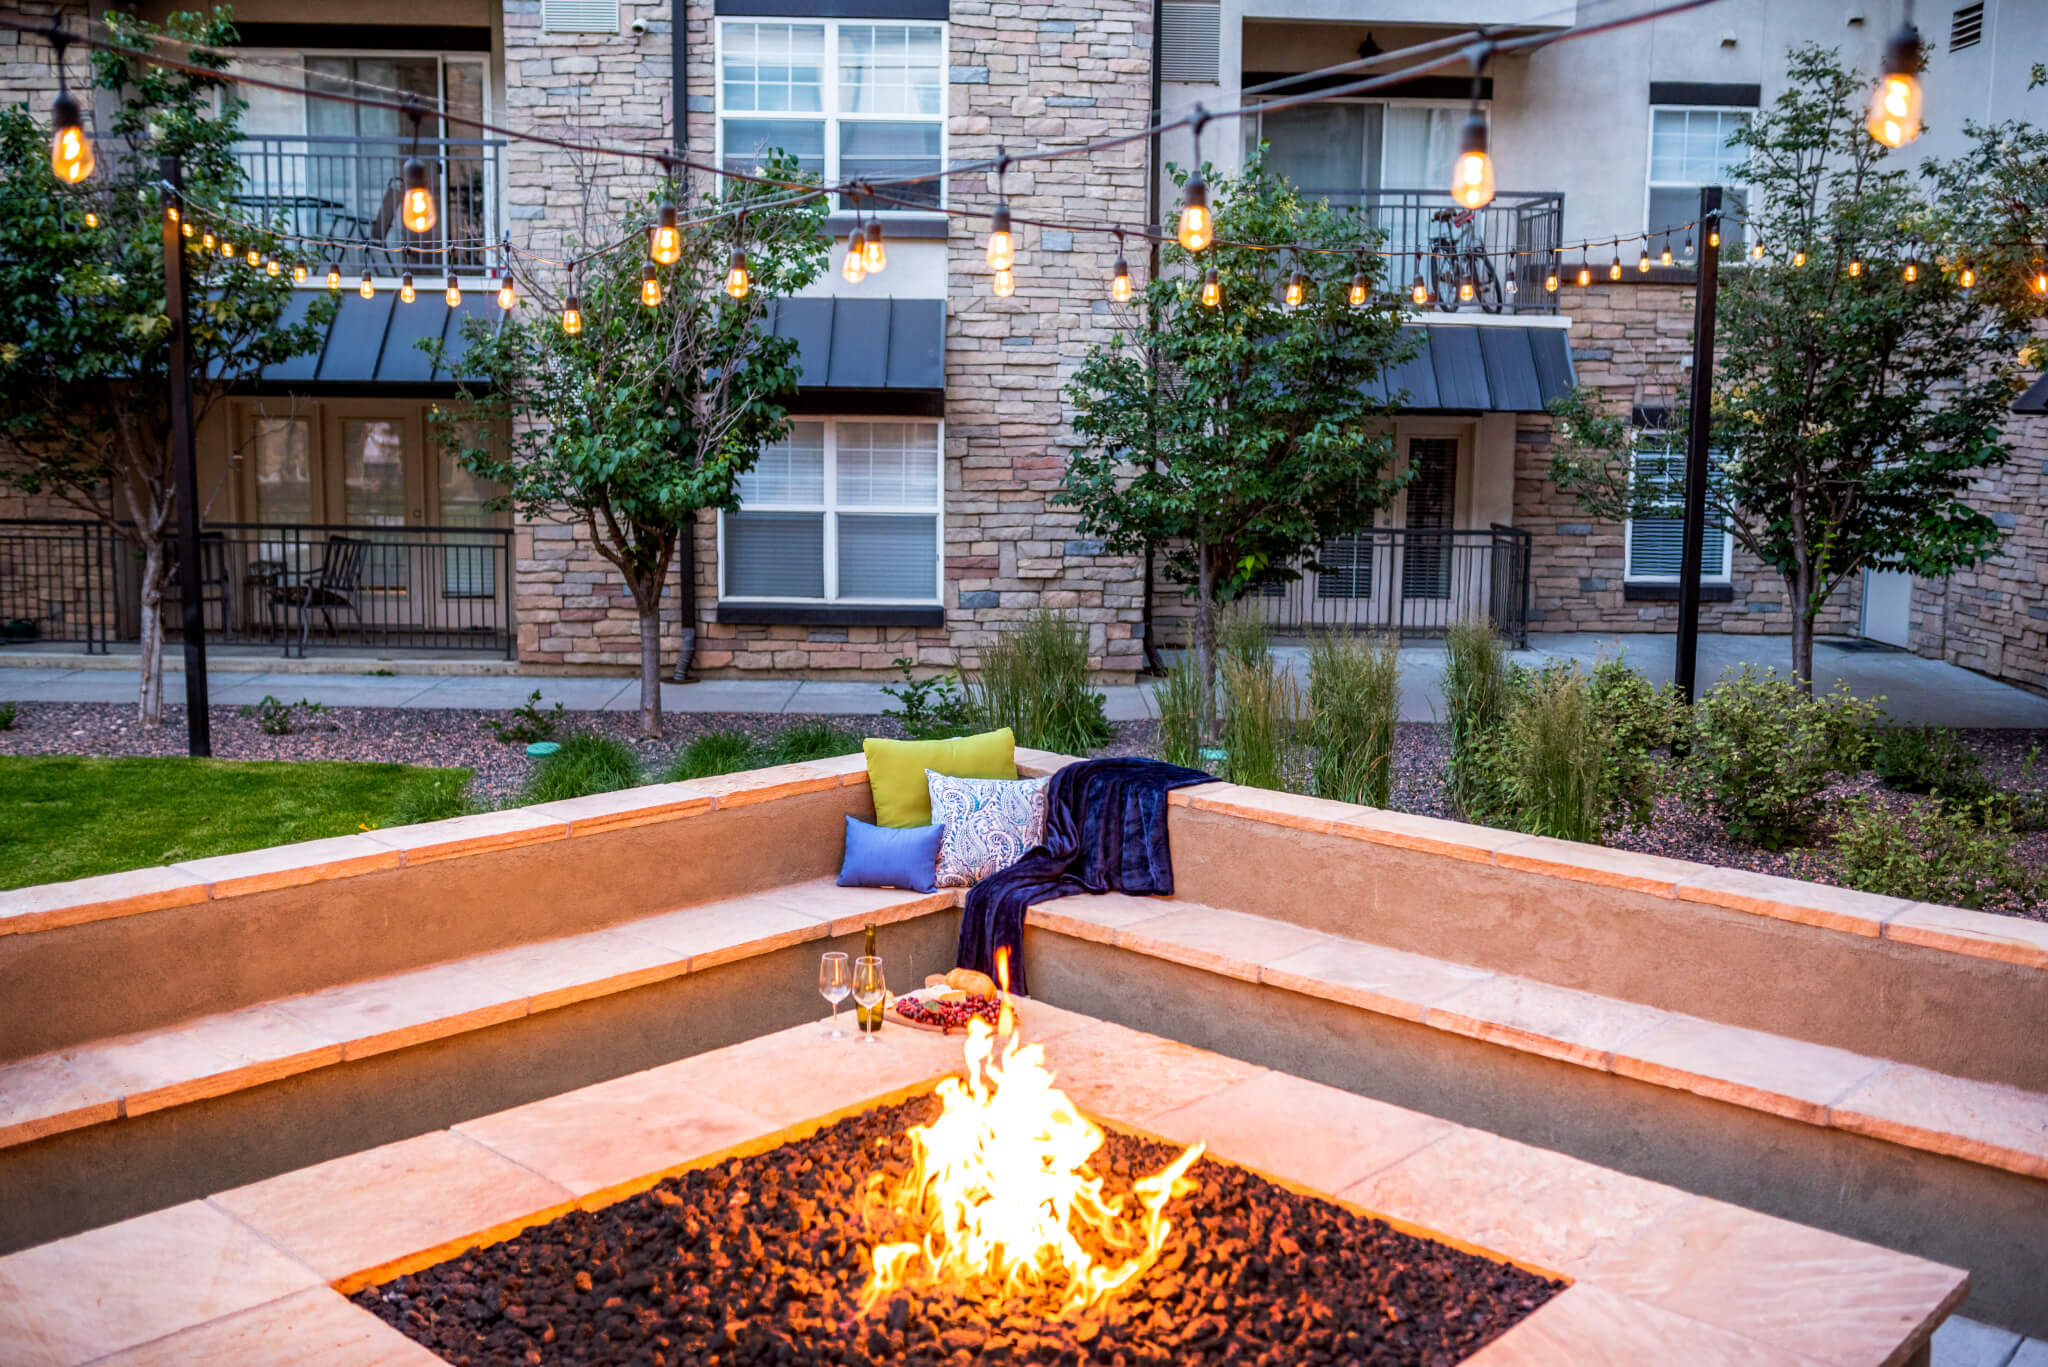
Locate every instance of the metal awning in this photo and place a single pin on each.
(375, 342)
(1480, 369)
(2035, 400)
(866, 344)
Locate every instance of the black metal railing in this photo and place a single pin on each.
(347, 190)
(1417, 581)
(296, 587)
(1502, 251)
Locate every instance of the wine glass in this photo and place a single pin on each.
(835, 984)
(869, 990)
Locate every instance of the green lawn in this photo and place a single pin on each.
(63, 817)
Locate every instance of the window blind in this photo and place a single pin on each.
(1656, 543)
(775, 555)
(888, 555)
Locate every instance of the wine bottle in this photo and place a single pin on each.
(868, 1018)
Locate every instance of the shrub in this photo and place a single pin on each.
(7, 716)
(1636, 720)
(715, 752)
(442, 795)
(1178, 698)
(931, 709)
(1354, 694)
(1243, 634)
(1262, 707)
(1553, 756)
(280, 718)
(585, 764)
(1034, 679)
(1928, 852)
(1929, 759)
(530, 722)
(812, 739)
(1475, 698)
(1763, 753)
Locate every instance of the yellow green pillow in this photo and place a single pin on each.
(896, 770)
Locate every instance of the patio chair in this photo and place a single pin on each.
(335, 584)
(216, 585)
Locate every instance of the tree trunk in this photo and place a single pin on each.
(686, 598)
(151, 701)
(650, 667)
(1205, 643)
(1803, 614)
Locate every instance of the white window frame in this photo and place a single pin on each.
(831, 510)
(1628, 546)
(829, 96)
(1736, 234)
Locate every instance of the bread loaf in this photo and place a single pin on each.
(972, 983)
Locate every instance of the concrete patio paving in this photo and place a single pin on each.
(1914, 689)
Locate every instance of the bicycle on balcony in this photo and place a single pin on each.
(1460, 271)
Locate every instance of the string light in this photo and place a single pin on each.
(1664, 257)
(227, 250)
(1472, 172)
(272, 269)
(1967, 279)
(1005, 283)
(1614, 271)
(207, 242)
(1911, 273)
(185, 228)
(739, 281)
(508, 298)
(1297, 290)
(1585, 270)
(170, 212)
(572, 316)
(1799, 260)
(873, 257)
(1120, 274)
(1688, 245)
(1756, 250)
(1212, 290)
(1895, 102)
(71, 158)
(417, 207)
(298, 272)
(650, 286)
(1359, 291)
(1643, 261)
(2040, 281)
(405, 290)
(665, 243)
(1550, 280)
(255, 258)
(1714, 240)
(854, 268)
(1855, 269)
(1197, 225)
(368, 288)
(1419, 292)
(452, 291)
(333, 276)
(1001, 252)
(92, 220)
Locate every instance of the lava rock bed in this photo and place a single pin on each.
(761, 1260)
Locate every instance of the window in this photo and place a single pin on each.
(1333, 149)
(851, 101)
(838, 512)
(1653, 544)
(1690, 148)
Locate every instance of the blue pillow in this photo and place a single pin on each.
(890, 856)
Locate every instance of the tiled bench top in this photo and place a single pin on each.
(214, 1055)
(1980, 1122)
(1658, 1275)
(1951, 929)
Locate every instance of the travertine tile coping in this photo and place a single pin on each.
(49, 906)
(1953, 929)
(130, 1075)
(1979, 1122)
(1659, 1275)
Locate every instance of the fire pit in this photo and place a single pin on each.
(989, 1222)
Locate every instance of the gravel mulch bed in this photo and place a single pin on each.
(762, 1260)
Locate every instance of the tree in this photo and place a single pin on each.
(647, 415)
(1859, 386)
(84, 326)
(1238, 439)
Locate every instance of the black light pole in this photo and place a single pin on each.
(198, 726)
(1685, 668)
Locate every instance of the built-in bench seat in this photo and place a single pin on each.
(211, 1056)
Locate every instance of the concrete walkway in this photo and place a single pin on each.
(1915, 690)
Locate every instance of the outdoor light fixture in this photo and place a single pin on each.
(333, 276)
(272, 269)
(853, 267)
(2040, 281)
(872, 255)
(1911, 273)
(665, 243)
(1855, 269)
(1120, 273)
(1687, 249)
(255, 257)
(1297, 290)
(1967, 279)
(1585, 273)
(1664, 256)
(650, 287)
(227, 250)
(1419, 291)
(1357, 294)
(298, 272)
(207, 242)
(1212, 290)
(1005, 283)
(1643, 261)
(1550, 281)
(572, 316)
(1799, 260)
(1001, 252)
(70, 149)
(508, 298)
(1713, 239)
(367, 289)
(737, 278)
(405, 290)
(416, 208)
(1756, 250)
(185, 228)
(452, 291)
(1614, 270)
(1472, 177)
(170, 212)
(1895, 103)
(92, 220)
(1465, 290)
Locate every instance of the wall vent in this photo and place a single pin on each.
(579, 16)
(1190, 40)
(1966, 29)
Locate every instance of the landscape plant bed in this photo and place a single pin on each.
(762, 1259)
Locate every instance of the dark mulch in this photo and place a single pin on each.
(762, 1259)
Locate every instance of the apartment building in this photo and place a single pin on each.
(910, 512)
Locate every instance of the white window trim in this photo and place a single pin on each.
(829, 96)
(831, 510)
(1737, 234)
(1628, 544)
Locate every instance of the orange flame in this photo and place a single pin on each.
(1002, 1190)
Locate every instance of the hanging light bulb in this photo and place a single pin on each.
(1197, 227)
(1664, 256)
(207, 242)
(255, 257)
(854, 268)
(367, 289)
(1855, 269)
(333, 276)
(1120, 275)
(1756, 250)
(1212, 289)
(272, 269)
(1359, 291)
(1465, 289)
(572, 316)
(1643, 261)
(1895, 102)
(1472, 174)
(1005, 283)
(872, 255)
(1419, 291)
(1799, 260)
(1911, 273)
(417, 208)
(1507, 282)
(1614, 270)
(227, 250)
(452, 291)
(298, 272)
(1550, 281)
(508, 298)
(738, 280)
(185, 228)
(650, 286)
(1585, 271)
(70, 149)
(1967, 278)
(2040, 280)
(405, 290)
(1296, 293)
(92, 220)
(1001, 252)
(170, 212)
(1714, 239)
(665, 243)
(1688, 246)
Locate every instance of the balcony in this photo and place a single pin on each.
(1450, 247)
(1418, 581)
(347, 189)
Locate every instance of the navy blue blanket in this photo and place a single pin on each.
(1105, 830)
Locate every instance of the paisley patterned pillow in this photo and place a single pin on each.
(989, 823)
